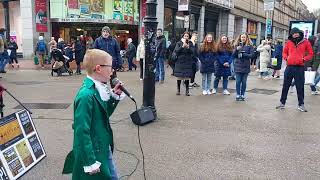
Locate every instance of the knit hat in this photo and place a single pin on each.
(106, 28)
(295, 30)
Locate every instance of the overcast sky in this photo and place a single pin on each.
(312, 4)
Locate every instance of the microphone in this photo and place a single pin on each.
(115, 81)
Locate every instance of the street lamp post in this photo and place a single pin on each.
(150, 24)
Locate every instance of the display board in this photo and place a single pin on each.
(306, 26)
(20, 145)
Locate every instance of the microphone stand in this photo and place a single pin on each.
(15, 100)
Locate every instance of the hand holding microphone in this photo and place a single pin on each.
(118, 88)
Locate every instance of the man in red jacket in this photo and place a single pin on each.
(296, 52)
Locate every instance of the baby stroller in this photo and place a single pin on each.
(59, 65)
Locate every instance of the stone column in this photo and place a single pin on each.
(28, 21)
(231, 25)
(201, 24)
(258, 33)
(160, 13)
(244, 25)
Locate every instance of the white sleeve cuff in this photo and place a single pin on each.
(117, 97)
(89, 169)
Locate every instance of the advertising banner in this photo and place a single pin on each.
(41, 16)
(183, 5)
(143, 13)
(119, 10)
(268, 26)
(20, 146)
(307, 27)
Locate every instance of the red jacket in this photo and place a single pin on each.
(296, 55)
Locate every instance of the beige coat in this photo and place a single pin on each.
(140, 52)
(265, 56)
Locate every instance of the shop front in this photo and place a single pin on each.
(71, 19)
(252, 31)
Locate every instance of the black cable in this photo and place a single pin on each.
(138, 161)
(144, 171)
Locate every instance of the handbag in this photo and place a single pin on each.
(309, 77)
(274, 61)
(35, 60)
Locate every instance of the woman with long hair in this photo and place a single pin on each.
(242, 54)
(184, 60)
(222, 68)
(207, 58)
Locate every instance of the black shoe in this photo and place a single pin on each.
(135, 68)
(3, 71)
(232, 78)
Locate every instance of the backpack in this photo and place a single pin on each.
(41, 46)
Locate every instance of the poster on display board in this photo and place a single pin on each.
(20, 146)
(41, 15)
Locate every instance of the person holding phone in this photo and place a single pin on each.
(242, 55)
(183, 70)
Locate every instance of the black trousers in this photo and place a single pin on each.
(296, 73)
(13, 59)
(141, 68)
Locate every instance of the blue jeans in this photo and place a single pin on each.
(241, 83)
(316, 81)
(160, 69)
(224, 84)
(4, 59)
(131, 64)
(232, 69)
(112, 166)
(206, 81)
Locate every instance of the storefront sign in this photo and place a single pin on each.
(41, 16)
(143, 13)
(269, 5)
(183, 5)
(122, 10)
(20, 146)
(268, 26)
(93, 20)
(252, 27)
(223, 3)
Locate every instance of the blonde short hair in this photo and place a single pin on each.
(94, 57)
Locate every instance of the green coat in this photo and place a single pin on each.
(92, 133)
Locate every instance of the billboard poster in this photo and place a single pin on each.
(20, 146)
(120, 10)
(73, 4)
(143, 12)
(306, 26)
(41, 16)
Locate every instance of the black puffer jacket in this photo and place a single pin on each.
(185, 60)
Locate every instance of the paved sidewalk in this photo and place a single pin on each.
(196, 138)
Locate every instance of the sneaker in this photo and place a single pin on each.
(315, 93)
(302, 108)
(238, 97)
(278, 77)
(281, 106)
(195, 85)
(204, 92)
(242, 98)
(226, 92)
(214, 91)
(209, 92)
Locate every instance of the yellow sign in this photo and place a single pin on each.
(10, 133)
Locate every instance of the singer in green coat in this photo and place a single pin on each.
(91, 157)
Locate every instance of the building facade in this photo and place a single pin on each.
(27, 19)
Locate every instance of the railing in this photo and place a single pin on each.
(223, 3)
